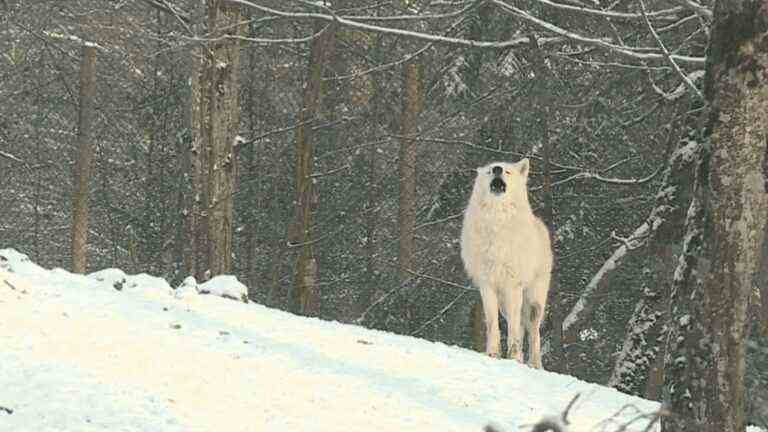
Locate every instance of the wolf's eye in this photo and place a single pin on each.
(507, 172)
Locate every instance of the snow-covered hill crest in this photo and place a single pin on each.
(117, 352)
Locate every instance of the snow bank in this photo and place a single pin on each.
(113, 352)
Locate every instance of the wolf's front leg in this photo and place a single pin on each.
(491, 311)
(513, 302)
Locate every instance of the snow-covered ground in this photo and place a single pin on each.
(110, 352)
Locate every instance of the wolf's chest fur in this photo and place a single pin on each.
(497, 241)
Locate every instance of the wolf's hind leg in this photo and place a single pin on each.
(535, 315)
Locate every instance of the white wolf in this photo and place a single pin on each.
(507, 254)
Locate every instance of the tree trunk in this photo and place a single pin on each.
(306, 298)
(407, 169)
(82, 170)
(706, 371)
(224, 19)
(195, 214)
(762, 283)
(367, 93)
(477, 326)
(215, 120)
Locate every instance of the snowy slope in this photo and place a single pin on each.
(110, 352)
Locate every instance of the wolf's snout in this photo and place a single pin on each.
(497, 185)
(497, 170)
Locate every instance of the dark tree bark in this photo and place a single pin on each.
(224, 18)
(197, 156)
(705, 373)
(762, 282)
(407, 169)
(306, 298)
(215, 119)
(82, 169)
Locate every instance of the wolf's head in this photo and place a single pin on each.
(502, 183)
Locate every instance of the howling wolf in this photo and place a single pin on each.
(507, 254)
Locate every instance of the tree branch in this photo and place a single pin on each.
(439, 314)
(666, 204)
(668, 56)
(666, 13)
(631, 52)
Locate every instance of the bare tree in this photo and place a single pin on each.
(705, 372)
(82, 169)
(306, 297)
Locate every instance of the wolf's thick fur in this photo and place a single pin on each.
(507, 254)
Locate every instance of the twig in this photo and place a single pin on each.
(329, 172)
(381, 299)
(445, 219)
(667, 55)
(439, 314)
(570, 405)
(548, 423)
(443, 281)
(11, 157)
(8, 410)
(276, 131)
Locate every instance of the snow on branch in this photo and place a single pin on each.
(664, 207)
(637, 53)
(354, 23)
(11, 157)
(610, 180)
(698, 8)
(638, 238)
(688, 83)
(679, 91)
(73, 38)
(666, 13)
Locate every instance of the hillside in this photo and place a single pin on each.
(115, 352)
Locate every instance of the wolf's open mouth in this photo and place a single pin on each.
(498, 186)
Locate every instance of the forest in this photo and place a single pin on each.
(323, 153)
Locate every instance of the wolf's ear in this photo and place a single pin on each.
(524, 166)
